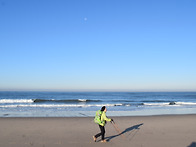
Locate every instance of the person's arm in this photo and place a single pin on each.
(104, 117)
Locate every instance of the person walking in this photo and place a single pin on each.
(102, 125)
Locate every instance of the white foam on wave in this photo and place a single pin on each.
(82, 100)
(156, 104)
(185, 103)
(16, 101)
(169, 104)
(56, 105)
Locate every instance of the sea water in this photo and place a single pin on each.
(84, 104)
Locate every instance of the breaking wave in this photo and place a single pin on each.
(60, 105)
(16, 101)
(45, 100)
(170, 104)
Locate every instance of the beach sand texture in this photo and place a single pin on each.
(141, 131)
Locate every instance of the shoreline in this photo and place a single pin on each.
(143, 112)
(158, 115)
(145, 131)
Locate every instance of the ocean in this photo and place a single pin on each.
(85, 104)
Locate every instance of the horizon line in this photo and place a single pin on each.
(101, 90)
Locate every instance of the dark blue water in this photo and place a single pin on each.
(46, 104)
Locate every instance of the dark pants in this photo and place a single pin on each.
(102, 134)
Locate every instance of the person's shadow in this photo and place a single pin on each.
(193, 144)
(136, 127)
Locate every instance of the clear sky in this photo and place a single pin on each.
(131, 45)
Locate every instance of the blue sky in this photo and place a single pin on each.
(125, 45)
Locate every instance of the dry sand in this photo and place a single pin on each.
(141, 131)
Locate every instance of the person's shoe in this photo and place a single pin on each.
(103, 141)
(94, 138)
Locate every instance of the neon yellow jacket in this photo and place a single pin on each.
(104, 118)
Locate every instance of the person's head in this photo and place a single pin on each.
(104, 108)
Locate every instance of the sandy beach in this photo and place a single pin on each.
(141, 131)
